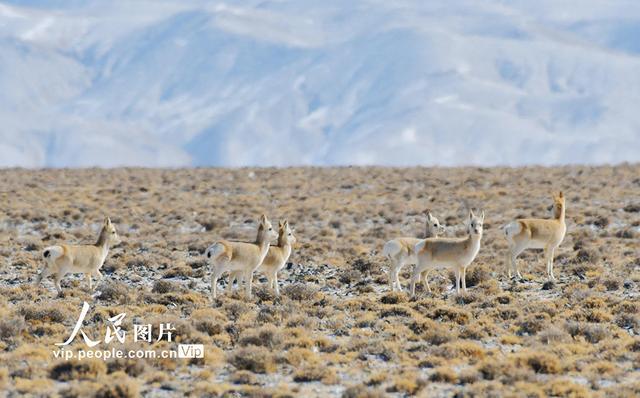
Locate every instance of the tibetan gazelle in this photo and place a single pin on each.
(86, 259)
(400, 251)
(276, 257)
(455, 253)
(243, 257)
(535, 233)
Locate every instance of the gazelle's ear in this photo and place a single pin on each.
(482, 216)
(107, 221)
(285, 223)
(428, 213)
(280, 224)
(471, 215)
(561, 195)
(263, 219)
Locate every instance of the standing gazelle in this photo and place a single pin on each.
(275, 259)
(400, 251)
(456, 253)
(60, 260)
(535, 233)
(243, 257)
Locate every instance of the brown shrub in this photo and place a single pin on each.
(118, 387)
(475, 275)
(407, 383)
(267, 336)
(395, 310)
(393, 298)
(443, 374)
(593, 333)
(349, 276)
(254, 359)
(11, 328)
(243, 377)
(319, 372)
(131, 367)
(451, 314)
(77, 370)
(539, 362)
(44, 314)
(162, 287)
(634, 346)
(178, 271)
(114, 291)
(300, 291)
(362, 392)
(432, 332)
(533, 323)
(461, 349)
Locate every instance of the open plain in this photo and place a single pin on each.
(336, 329)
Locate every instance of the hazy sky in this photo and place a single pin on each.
(180, 83)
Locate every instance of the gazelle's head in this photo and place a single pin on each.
(266, 228)
(433, 225)
(109, 232)
(475, 223)
(558, 204)
(285, 234)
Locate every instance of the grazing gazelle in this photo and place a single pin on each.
(400, 251)
(456, 253)
(243, 257)
(535, 233)
(275, 259)
(60, 260)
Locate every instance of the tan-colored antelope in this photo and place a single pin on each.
(242, 257)
(276, 258)
(535, 233)
(400, 251)
(60, 260)
(455, 253)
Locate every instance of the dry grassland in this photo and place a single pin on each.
(336, 330)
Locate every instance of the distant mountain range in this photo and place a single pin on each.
(331, 82)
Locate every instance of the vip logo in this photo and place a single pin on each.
(190, 351)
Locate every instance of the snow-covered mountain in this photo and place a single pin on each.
(403, 82)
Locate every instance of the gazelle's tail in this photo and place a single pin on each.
(51, 253)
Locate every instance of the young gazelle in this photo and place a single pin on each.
(400, 251)
(87, 259)
(243, 257)
(275, 259)
(456, 253)
(536, 233)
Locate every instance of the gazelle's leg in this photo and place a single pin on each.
(88, 276)
(392, 280)
(425, 278)
(401, 264)
(414, 278)
(509, 262)
(249, 281)
(57, 278)
(464, 279)
(98, 276)
(275, 284)
(215, 275)
(394, 277)
(457, 280)
(553, 250)
(515, 251)
(45, 273)
(549, 259)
